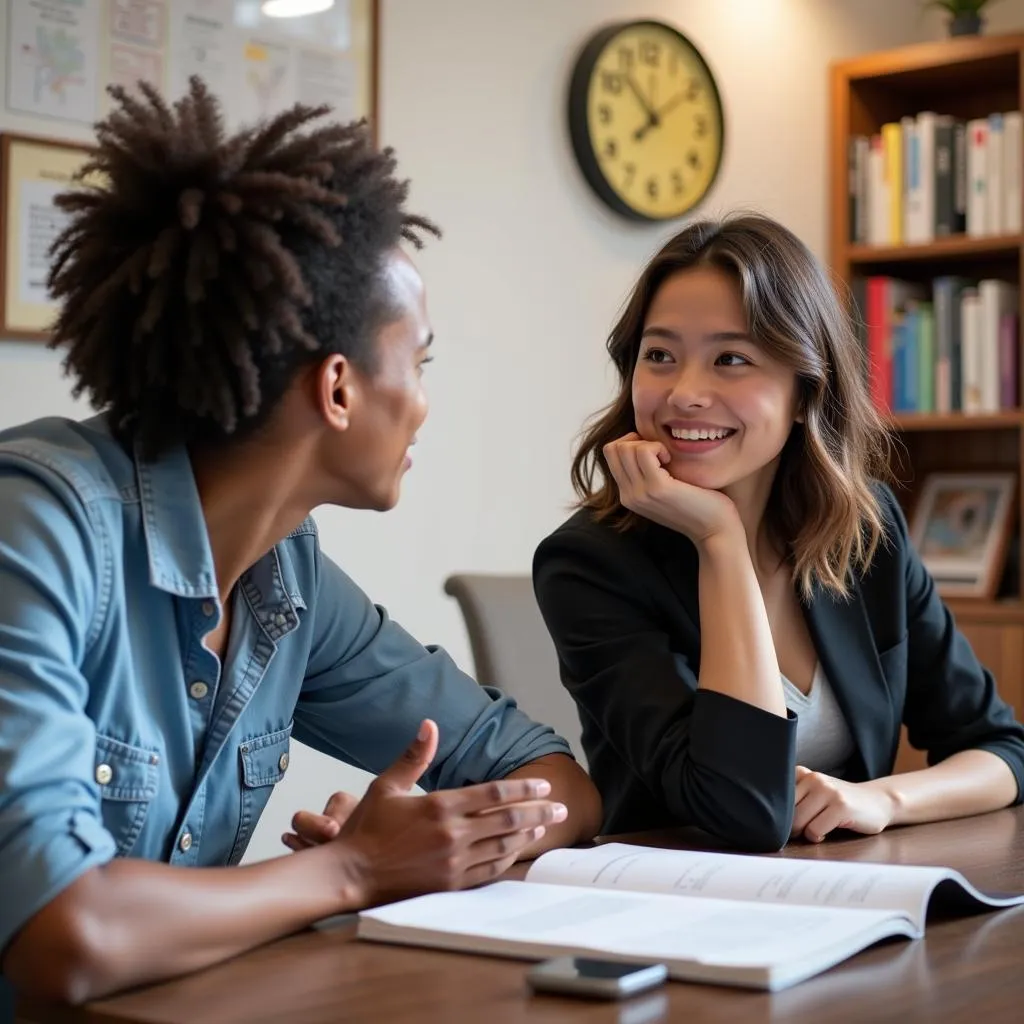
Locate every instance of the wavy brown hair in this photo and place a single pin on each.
(823, 510)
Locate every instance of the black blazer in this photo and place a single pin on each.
(622, 609)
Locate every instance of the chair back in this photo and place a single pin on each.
(512, 649)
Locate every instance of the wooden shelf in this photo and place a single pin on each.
(1011, 419)
(954, 247)
(968, 609)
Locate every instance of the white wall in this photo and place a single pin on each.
(531, 270)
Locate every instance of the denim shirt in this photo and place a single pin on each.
(122, 735)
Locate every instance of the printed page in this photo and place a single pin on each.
(791, 881)
(548, 920)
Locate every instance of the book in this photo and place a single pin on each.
(718, 918)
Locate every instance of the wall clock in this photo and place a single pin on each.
(646, 120)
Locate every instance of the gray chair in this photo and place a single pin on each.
(512, 649)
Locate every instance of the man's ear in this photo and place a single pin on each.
(336, 391)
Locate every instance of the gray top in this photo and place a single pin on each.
(823, 740)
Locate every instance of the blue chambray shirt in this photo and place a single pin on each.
(122, 735)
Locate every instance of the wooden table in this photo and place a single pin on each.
(971, 969)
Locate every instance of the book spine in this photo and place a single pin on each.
(1009, 367)
(1013, 178)
(911, 345)
(863, 149)
(892, 147)
(977, 177)
(956, 355)
(970, 351)
(911, 154)
(960, 182)
(898, 349)
(994, 176)
(926, 358)
(942, 294)
(879, 358)
(851, 189)
(878, 204)
(925, 137)
(943, 209)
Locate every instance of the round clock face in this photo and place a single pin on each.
(646, 120)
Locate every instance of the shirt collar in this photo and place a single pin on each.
(177, 542)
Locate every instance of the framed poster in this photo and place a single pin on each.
(33, 171)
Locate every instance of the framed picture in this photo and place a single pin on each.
(33, 172)
(961, 527)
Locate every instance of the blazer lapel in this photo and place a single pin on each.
(846, 648)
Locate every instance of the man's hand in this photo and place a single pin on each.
(313, 829)
(824, 804)
(397, 845)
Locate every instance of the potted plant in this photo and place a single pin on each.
(964, 15)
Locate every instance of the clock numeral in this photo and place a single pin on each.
(700, 126)
(693, 159)
(692, 89)
(611, 150)
(630, 170)
(652, 187)
(650, 53)
(604, 114)
(626, 58)
(611, 81)
(677, 183)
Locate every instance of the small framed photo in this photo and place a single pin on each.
(961, 527)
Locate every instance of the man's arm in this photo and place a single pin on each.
(98, 935)
(369, 684)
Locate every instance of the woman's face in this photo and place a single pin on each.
(721, 406)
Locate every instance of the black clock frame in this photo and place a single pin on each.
(579, 88)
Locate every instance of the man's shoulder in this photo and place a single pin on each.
(80, 456)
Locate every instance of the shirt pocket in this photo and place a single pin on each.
(263, 763)
(127, 777)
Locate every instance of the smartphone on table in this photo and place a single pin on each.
(598, 979)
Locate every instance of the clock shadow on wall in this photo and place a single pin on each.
(646, 120)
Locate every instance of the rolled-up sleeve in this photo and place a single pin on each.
(369, 685)
(51, 828)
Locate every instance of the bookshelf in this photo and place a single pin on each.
(966, 78)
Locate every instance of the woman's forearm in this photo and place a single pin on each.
(737, 651)
(971, 782)
(131, 921)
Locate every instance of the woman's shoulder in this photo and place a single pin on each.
(635, 546)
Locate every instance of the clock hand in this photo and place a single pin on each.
(671, 104)
(656, 115)
(652, 117)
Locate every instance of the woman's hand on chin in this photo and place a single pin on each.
(648, 489)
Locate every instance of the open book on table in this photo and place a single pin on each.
(760, 922)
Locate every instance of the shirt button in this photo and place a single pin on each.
(283, 763)
(185, 842)
(208, 608)
(104, 773)
(199, 690)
